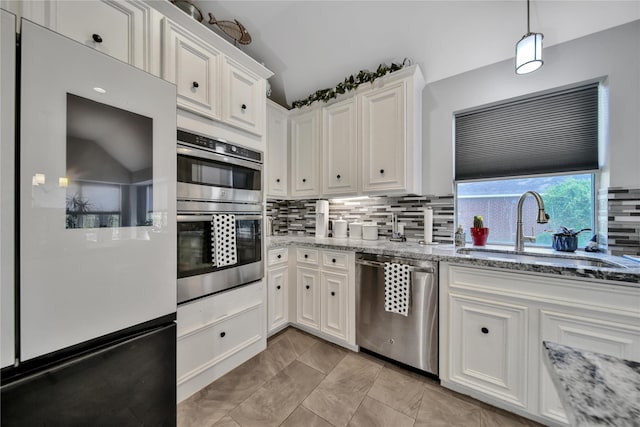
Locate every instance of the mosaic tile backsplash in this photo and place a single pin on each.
(298, 216)
(619, 215)
(623, 216)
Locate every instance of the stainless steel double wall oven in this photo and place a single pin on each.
(216, 177)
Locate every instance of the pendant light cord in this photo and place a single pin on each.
(528, 19)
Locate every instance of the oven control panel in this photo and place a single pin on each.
(219, 146)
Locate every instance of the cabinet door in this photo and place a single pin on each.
(277, 152)
(587, 333)
(117, 28)
(194, 66)
(305, 158)
(244, 97)
(308, 294)
(488, 345)
(383, 134)
(339, 141)
(277, 302)
(334, 304)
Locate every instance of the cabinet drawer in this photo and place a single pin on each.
(198, 350)
(307, 256)
(337, 260)
(207, 310)
(277, 256)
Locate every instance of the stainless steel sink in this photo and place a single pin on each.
(539, 258)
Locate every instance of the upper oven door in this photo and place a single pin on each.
(205, 175)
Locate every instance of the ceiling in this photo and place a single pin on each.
(312, 45)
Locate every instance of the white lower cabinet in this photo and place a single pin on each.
(333, 300)
(320, 297)
(493, 323)
(218, 333)
(308, 293)
(489, 346)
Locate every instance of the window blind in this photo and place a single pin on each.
(556, 132)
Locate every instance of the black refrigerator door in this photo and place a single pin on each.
(131, 383)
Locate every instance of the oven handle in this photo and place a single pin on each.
(222, 158)
(209, 217)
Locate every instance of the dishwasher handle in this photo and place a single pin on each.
(381, 265)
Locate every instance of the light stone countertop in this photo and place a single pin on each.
(629, 276)
(595, 389)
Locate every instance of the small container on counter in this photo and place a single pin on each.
(340, 229)
(355, 230)
(370, 231)
(459, 237)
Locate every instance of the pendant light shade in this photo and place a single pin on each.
(529, 50)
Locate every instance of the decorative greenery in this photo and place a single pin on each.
(350, 83)
(478, 221)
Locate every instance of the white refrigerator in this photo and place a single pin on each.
(96, 298)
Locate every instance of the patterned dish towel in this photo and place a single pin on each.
(397, 281)
(223, 228)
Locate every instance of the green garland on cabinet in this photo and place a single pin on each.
(350, 83)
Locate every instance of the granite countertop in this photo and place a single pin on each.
(595, 389)
(628, 274)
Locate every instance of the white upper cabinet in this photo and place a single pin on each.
(391, 134)
(194, 66)
(118, 28)
(277, 151)
(340, 144)
(305, 154)
(244, 97)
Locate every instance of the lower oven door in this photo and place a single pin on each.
(197, 275)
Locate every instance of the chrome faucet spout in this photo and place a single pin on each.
(542, 218)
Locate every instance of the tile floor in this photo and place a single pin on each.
(300, 380)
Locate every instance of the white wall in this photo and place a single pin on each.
(613, 54)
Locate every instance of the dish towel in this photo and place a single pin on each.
(223, 242)
(397, 282)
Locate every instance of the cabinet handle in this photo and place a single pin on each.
(304, 179)
(306, 256)
(381, 171)
(333, 260)
(333, 294)
(96, 38)
(244, 107)
(277, 179)
(338, 176)
(307, 286)
(279, 256)
(222, 334)
(278, 287)
(195, 85)
(485, 330)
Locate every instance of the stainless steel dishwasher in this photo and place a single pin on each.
(411, 339)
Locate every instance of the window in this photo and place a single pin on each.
(546, 143)
(568, 199)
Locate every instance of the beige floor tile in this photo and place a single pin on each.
(372, 413)
(227, 422)
(341, 392)
(323, 356)
(301, 341)
(277, 355)
(278, 398)
(439, 409)
(499, 418)
(194, 412)
(398, 391)
(303, 417)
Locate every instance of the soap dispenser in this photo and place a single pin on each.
(459, 237)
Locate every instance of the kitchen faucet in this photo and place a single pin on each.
(543, 218)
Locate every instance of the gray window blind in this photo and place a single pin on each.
(551, 133)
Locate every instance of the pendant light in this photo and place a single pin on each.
(529, 50)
